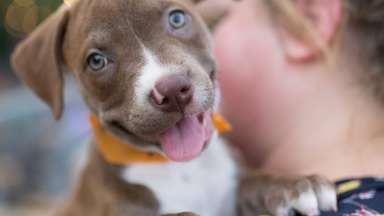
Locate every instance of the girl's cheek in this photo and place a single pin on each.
(246, 54)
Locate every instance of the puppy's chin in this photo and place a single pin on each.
(130, 138)
(182, 140)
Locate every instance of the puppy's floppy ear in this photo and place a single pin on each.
(196, 1)
(213, 10)
(38, 60)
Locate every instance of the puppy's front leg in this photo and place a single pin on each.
(283, 196)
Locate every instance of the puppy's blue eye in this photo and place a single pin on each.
(177, 19)
(97, 61)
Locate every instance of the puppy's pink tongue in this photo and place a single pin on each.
(185, 140)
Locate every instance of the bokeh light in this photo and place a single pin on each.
(68, 2)
(21, 16)
(17, 19)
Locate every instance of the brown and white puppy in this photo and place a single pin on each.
(146, 70)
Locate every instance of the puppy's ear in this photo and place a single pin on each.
(38, 60)
(213, 10)
(196, 1)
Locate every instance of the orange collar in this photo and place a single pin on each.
(116, 152)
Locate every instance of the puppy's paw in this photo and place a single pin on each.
(284, 197)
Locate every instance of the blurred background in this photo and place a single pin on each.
(37, 154)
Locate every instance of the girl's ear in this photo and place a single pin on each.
(323, 18)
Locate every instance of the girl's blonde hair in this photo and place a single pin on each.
(286, 11)
(363, 21)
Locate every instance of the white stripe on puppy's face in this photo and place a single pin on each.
(151, 72)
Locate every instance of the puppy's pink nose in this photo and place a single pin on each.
(172, 93)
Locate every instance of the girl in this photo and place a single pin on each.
(303, 86)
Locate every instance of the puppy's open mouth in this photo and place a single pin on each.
(186, 139)
(183, 141)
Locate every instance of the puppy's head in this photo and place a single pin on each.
(144, 68)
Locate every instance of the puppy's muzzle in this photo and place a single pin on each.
(172, 93)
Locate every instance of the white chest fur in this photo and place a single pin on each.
(206, 185)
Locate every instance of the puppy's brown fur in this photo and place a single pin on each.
(120, 29)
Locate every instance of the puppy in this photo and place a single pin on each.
(145, 70)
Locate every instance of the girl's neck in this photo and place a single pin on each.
(340, 139)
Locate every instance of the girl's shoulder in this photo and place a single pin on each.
(360, 197)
